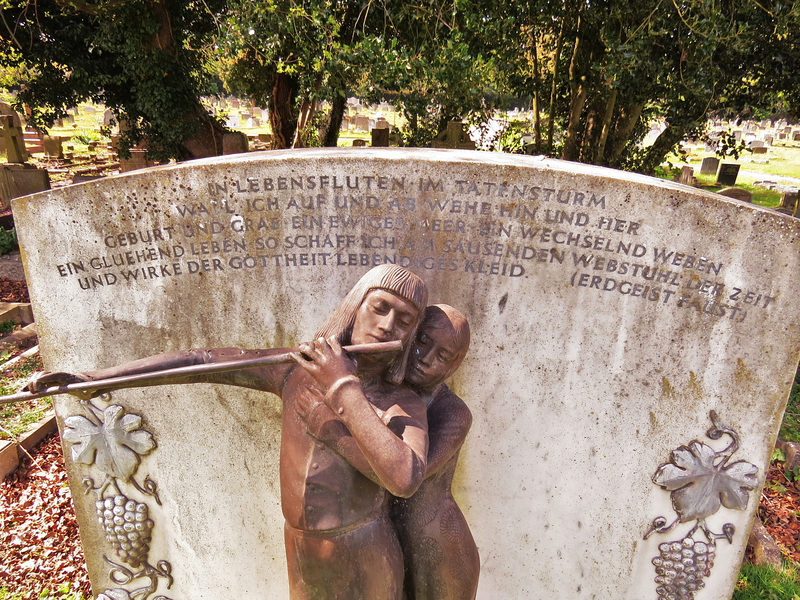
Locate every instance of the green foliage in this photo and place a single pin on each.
(790, 429)
(144, 60)
(7, 326)
(726, 144)
(85, 137)
(8, 240)
(760, 582)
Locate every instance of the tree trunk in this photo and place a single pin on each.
(588, 147)
(600, 154)
(537, 80)
(207, 140)
(307, 109)
(579, 95)
(281, 110)
(335, 123)
(626, 123)
(551, 113)
(664, 143)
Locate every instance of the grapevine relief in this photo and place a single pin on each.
(700, 481)
(113, 440)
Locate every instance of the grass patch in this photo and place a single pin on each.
(16, 418)
(790, 429)
(62, 593)
(767, 583)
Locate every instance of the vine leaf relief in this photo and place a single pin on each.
(699, 486)
(700, 481)
(113, 444)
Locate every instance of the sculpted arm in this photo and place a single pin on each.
(267, 378)
(449, 421)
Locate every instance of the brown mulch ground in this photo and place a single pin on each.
(779, 510)
(39, 546)
(13, 291)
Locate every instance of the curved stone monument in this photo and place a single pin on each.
(633, 345)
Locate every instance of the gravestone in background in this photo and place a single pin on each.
(738, 193)
(631, 339)
(709, 165)
(727, 174)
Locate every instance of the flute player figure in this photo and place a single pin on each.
(340, 542)
(441, 558)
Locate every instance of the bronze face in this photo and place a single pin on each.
(435, 355)
(384, 317)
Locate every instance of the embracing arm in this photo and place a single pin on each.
(449, 421)
(395, 447)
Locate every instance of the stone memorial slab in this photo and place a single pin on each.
(709, 165)
(738, 193)
(631, 339)
(727, 174)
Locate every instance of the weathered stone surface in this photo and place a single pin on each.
(610, 314)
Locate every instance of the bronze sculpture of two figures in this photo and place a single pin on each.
(368, 446)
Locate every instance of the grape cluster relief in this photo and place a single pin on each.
(700, 480)
(114, 441)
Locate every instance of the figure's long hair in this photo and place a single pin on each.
(394, 279)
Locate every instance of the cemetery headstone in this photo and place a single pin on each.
(20, 180)
(709, 165)
(629, 365)
(359, 143)
(727, 174)
(738, 193)
(234, 142)
(108, 118)
(53, 146)
(789, 203)
(380, 137)
(759, 150)
(138, 160)
(757, 144)
(687, 175)
(362, 123)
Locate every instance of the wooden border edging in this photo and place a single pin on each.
(11, 452)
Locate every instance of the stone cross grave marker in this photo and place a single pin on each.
(14, 141)
(453, 137)
(631, 339)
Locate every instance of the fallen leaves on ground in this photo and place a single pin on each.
(779, 510)
(13, 291)
(39, 545)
